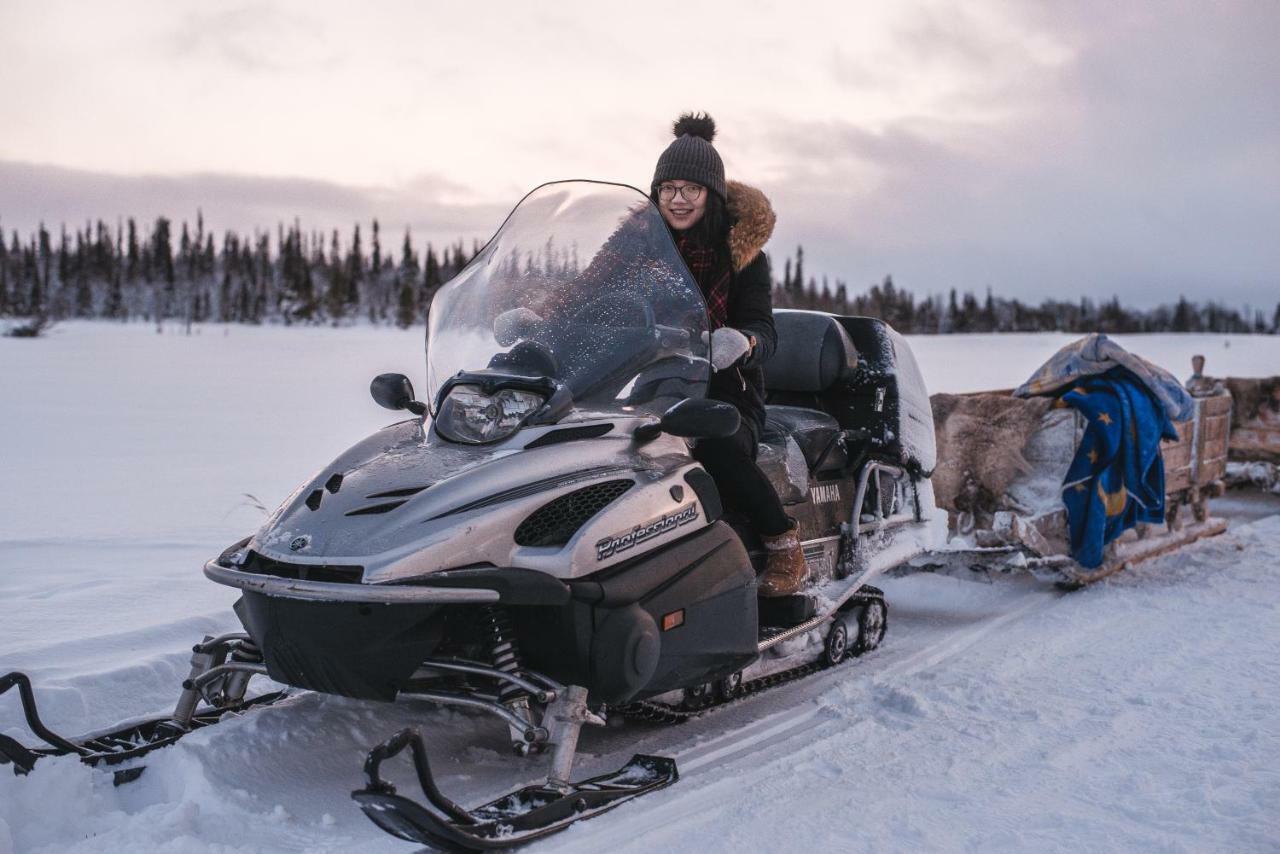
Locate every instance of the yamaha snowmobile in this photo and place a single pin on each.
(536, 541)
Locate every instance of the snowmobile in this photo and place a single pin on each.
(536, 541)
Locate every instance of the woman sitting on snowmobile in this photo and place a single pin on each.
(720, 228)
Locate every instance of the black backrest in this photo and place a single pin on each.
(886, 397)
(814, 352)
(864, 374)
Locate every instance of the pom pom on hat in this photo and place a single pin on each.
(695, 124)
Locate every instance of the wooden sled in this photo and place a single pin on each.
(1032, 536)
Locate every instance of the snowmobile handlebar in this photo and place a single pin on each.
(327, 591)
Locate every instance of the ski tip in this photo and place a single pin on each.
(648, 767)
(127, 775)
(402, 818)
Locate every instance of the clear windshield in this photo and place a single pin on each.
(583, 285)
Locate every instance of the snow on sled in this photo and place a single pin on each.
(1255, 431)
(537, 542)
(1006, 465)
(1255, 426)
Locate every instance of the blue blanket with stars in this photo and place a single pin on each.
(1116, 479)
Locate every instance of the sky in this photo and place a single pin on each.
(1039, 149)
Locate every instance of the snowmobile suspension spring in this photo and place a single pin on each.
(237, 684)
(247, 651)
(503, 649)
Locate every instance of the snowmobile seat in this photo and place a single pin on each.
(816, 433)
(814, 354)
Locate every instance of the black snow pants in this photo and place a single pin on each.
(731, 462)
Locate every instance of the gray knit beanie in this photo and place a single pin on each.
(692, 157)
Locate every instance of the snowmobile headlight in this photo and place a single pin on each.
(469, 415)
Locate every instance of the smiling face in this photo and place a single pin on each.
(680, 212)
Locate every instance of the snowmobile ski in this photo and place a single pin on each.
(514, 819)
(221, 668)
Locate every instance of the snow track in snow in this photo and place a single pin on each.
(881, 667)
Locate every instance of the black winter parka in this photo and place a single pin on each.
(750, 308)
(751, 313)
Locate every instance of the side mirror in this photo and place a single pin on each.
(394, 391)
(695, 418)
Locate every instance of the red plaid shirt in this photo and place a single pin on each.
(712, 272)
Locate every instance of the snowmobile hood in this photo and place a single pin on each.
(405, 497)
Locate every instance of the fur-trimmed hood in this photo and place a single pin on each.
(753, 218)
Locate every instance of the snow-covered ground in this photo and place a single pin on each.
(1141, 714)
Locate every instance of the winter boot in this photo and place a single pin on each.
(785, 570)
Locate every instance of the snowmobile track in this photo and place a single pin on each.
(654, 712)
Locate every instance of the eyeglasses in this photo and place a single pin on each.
(690, 192)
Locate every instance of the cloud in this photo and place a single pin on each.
(435, 209)
(1137, 154)
(252, 38)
